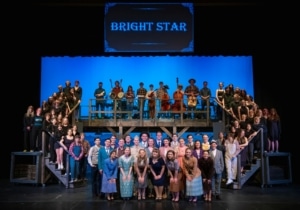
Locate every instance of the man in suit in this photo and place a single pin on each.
(190, 141)
(159, 139)
(144, 142)
(217, 156)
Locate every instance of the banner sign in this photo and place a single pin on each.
(149, 27)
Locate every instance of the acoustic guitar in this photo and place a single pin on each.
(192, 101)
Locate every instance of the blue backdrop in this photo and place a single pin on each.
(237, 70)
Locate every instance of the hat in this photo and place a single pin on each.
(166, 87)
(151, 85)
(213, 141)
(192, 80)
(60, 86)
(141, 83)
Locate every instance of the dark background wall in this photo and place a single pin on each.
(69, 29)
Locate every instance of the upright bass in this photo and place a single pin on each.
(178, 104)
(165, 101)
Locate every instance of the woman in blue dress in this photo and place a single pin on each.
(126, 162)
(110, 172)
(157, 167)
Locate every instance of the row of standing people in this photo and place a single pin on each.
(163, 104)
(143, 167)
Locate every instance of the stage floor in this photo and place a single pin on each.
(56, 197)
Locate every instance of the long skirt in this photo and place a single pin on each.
(194, 187)
(108, 187)
(126, 187)
(177, 187)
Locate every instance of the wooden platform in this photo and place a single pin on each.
(125, 126)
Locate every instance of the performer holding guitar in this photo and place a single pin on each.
(191, 91)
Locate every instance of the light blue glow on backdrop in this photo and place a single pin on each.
(237, 70)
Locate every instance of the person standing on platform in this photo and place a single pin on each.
(205, 94)
(159, 94)
(67, 89)
(78, 94)
(274, 130)
(36, 132)
(115, 92)
(192, 92)
(141, 95)
(151, 97)
(220, 100)
(27, 123)
(129, 95)
(93, 162)
(100, 94)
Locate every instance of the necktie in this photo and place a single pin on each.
(159, 144)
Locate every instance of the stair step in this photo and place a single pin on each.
(62, 177)
(249, 171)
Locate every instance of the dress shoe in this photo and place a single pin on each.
(218, 197)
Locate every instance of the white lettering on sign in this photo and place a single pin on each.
(148, 26)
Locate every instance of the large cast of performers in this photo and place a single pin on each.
(144, 166)
(153, 102)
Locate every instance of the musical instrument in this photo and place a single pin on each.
(68, 106)
(165, 103)
(74, 107)
(151, 102)
(116, 94)
(120, 95)
(192, 101)
(112, 95)
(178, 97)
(100, 94)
